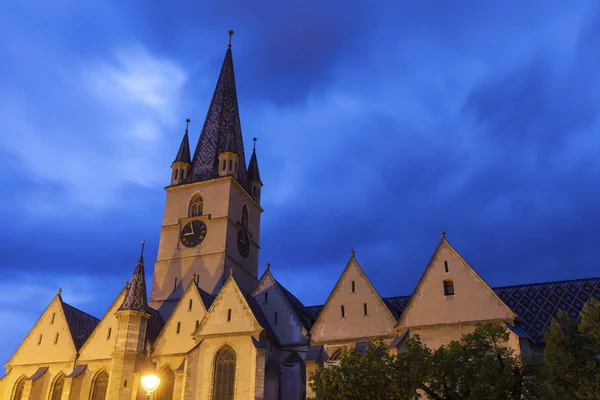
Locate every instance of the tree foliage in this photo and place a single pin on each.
(480, 366)
(572, 347)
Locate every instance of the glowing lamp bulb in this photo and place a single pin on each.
(150, 382)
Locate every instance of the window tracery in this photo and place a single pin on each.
(224, 375)
(196, 206)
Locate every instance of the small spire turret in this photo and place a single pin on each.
(180, 168)
(254, 182)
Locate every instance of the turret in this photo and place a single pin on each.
(180, 168)
(254, 182)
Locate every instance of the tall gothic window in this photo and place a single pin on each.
(167, 385)
(57, 390)
(19, 388)
(100, 386)
(196, 206)
(245, 216)
(224, 375)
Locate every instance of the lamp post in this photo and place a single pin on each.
(150, 381)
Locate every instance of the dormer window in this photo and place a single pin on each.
(196, 206)
(448, 288)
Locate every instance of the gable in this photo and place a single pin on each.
(473, 300)
(101, 342)
(216, 322)
(355, 323)
(48, 341)
(272, 300)
(176, 336)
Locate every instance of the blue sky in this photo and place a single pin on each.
(379, 125)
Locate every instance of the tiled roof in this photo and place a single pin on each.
(304, 314)
(222, 130)
(183, 155)
(535, 304)
(80, 324)
(206, 298)
(136, 299)
(154, 326)
(253, 173)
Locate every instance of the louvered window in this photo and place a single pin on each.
(448, 288)
(100, 386)
(224, 375)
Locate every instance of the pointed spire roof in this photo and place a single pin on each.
(253, 173)
(183, 155)
(135, 299)
(222, 130)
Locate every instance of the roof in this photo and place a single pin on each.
(253, 173)
(206, 298)
(183, 155)
(259, 315)
(535, 304)
(81, 324)
(222, 130)
(135, 299)
(154, 326)
(304, 314)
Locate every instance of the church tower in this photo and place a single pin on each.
(211, 223)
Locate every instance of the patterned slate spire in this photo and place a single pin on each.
(222, 131)
(183, 155)
(253, 173)
(135, 299)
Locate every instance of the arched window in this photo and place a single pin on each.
(224, 375)
(57, 389)
(99, 387)
(245, 216)
(196, 206)
(336, 356)
(19, 388)
(176, 171)
(167, 385)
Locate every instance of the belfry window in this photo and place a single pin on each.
(448, 288)
(224, 375)
(176, 171)
(196, 206)
(245, 216)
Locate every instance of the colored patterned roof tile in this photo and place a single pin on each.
(81, 324)
(183, 155)
(135, 299)
(253, 173)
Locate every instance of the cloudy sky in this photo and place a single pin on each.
(378, 126)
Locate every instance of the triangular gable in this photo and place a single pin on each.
(473, 299)
(331, 325)
(176, 336)
(42, 345)
(242, 316)
(273, 300)
(101, 343)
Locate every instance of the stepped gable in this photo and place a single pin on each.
(81, 324)
(535, 304)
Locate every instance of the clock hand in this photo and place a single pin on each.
(192, 228)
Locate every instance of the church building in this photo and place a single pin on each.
(214, 329)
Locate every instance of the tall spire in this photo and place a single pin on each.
(183, 155)
(222, 131)
(135, 299)
(253, 173)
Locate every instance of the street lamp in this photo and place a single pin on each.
(150, 381)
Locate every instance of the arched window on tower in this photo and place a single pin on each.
(100, 386)
(224, 375)
(167, 385)
(196, 206)
(19, 388)
(245, 216)
(57, 388)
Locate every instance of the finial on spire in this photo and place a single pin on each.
(187, 123)
(143, 243)
(59, 290)
(268, 265)
(353, 252)
(231, 272)
(230, 35)
(254, 139)
(443, 233)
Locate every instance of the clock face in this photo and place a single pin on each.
(192, 233)
(243, 243)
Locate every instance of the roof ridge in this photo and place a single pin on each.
(79, 310)
(545, 283)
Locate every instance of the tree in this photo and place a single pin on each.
(572, 368)
(480, 366)
(367, 377)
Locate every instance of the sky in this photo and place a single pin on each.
(378, 125)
